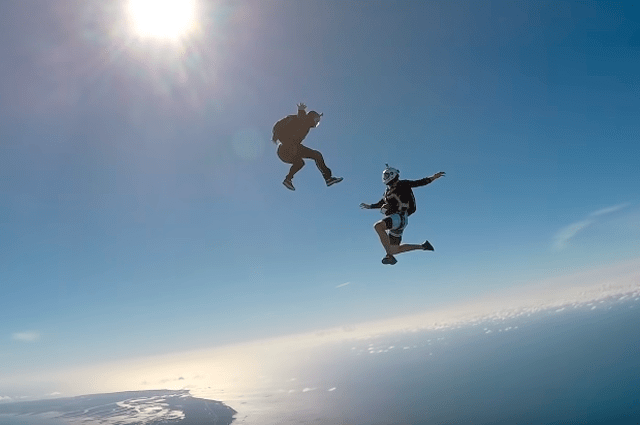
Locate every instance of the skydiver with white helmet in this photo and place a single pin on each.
(289, 133)
(397, 204)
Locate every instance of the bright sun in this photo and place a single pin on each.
(162, 19)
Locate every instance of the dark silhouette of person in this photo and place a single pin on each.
(397, 204)
(288, 134)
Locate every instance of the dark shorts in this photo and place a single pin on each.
(395, 241)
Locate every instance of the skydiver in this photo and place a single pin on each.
(288, 134)
(397, 204)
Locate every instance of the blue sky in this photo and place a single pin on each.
(142, 209)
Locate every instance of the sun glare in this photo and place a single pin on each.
(162, 19)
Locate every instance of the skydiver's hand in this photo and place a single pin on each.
(302, 106)
(365, 206)
(437, 175)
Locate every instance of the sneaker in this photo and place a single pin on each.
(288, 184)
(333, 180)
(389, 260)
(427, 246)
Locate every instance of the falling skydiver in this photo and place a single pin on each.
(288, 134)
(397, 204)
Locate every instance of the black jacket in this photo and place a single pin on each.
(398, 197)
(293, 128)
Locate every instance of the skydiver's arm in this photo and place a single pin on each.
(425, 181)
(302, 110)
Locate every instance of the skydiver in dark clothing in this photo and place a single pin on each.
(397, 204)
(289, 133)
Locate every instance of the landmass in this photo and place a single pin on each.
(167, 407)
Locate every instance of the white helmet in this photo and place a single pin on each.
(389, 174)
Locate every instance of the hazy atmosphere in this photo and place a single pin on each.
(142, 211)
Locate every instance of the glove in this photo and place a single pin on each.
(438, 175)
(302, 106)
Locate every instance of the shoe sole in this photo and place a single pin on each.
(387, 261)
(290, 187)
(334, 181)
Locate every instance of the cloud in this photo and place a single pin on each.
(175, 379)
(608, 210)
(563, 236)
(240, 367)
(5, 398)
(343, 284)
(26, 336)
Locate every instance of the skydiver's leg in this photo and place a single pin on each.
(395, 247)
(295, 168)
(316, 156)
(390, 231)
(381, 229)
(392, 226)
(290, 154)
(401, 248)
